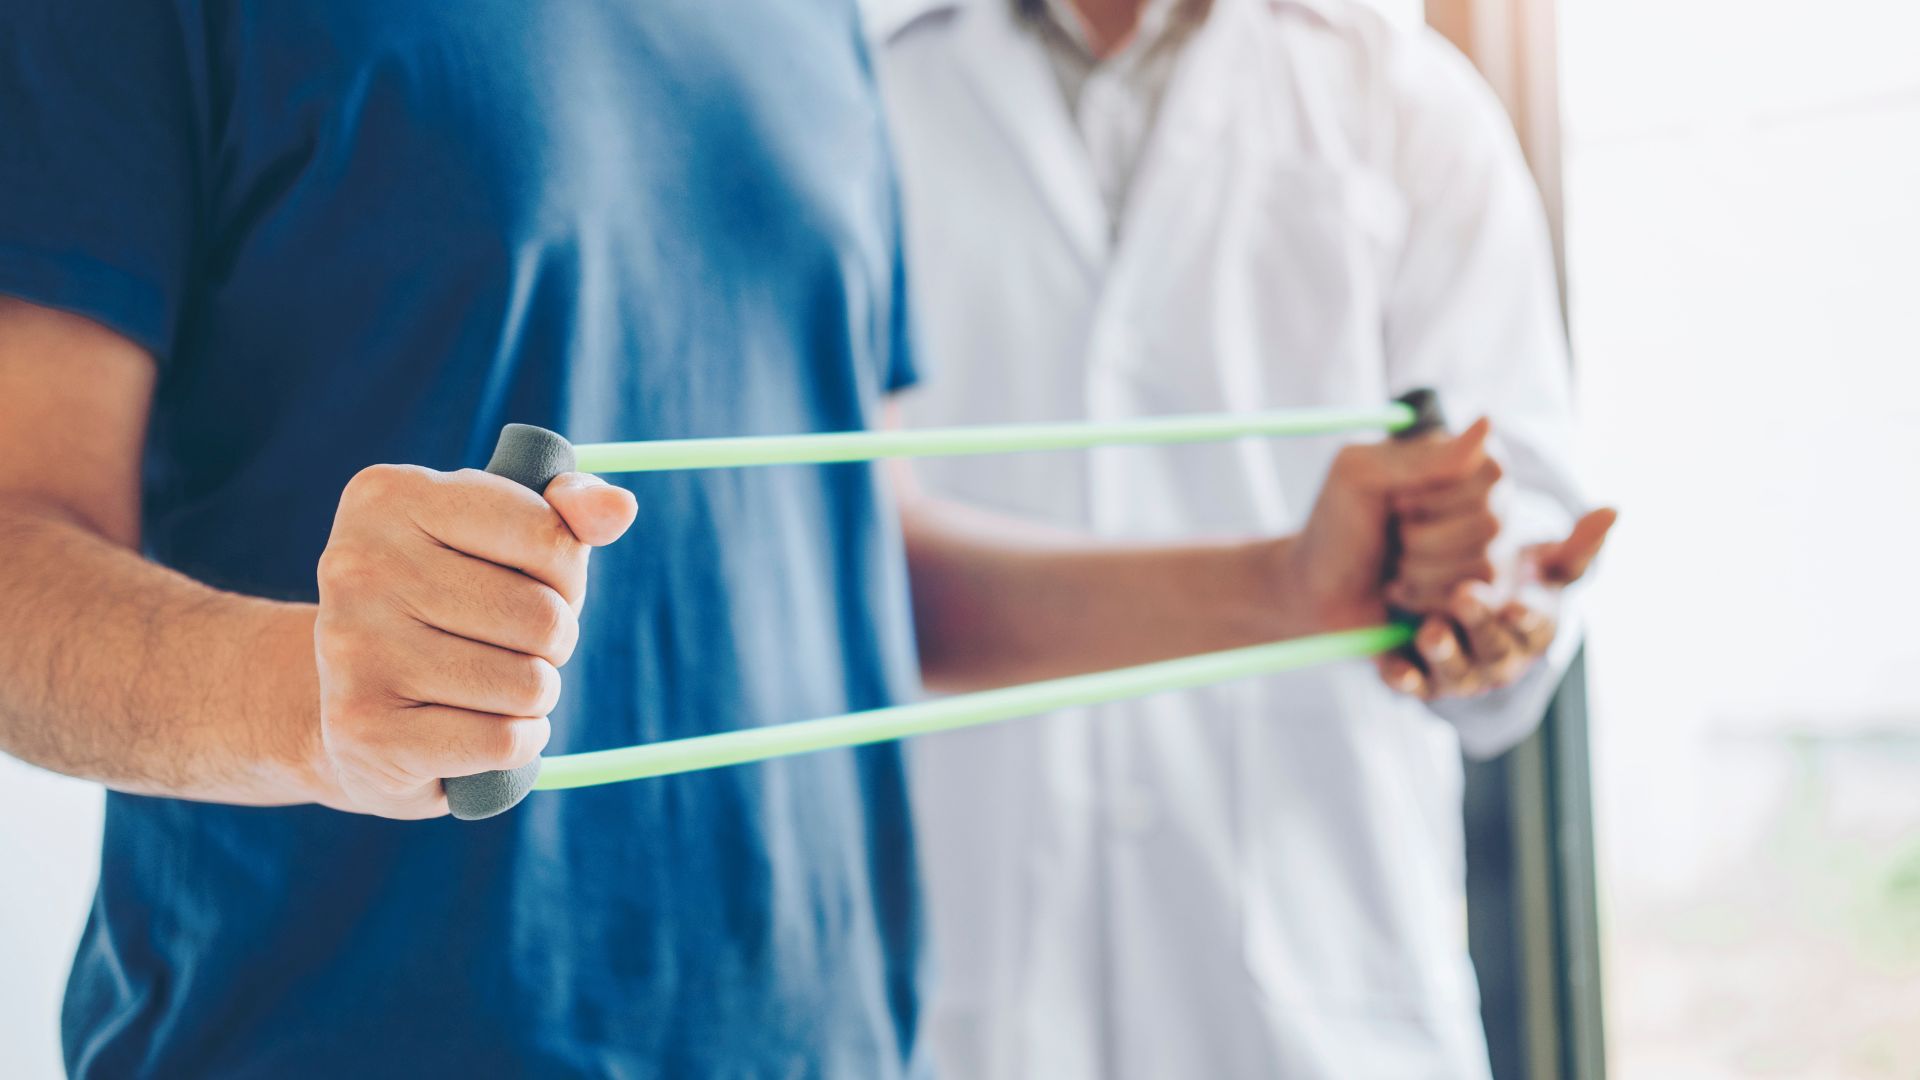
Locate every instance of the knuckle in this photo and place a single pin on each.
(560, 545)
(530, 738)
(570, 572)
(548, 680)
(512, 743)
(554, 626)
(533, 686)
(343, 568)
(382, 483)
(495, 745)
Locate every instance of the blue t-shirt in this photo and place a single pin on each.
(369, 231)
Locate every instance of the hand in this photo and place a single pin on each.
(1333, 570)
(448, 603)
(1471, 647)
(1443, 535)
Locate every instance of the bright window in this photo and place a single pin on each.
(1743, 241)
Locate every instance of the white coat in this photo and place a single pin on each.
(1262, 879)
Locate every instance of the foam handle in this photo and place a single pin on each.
(531, 457)
(1427, 416)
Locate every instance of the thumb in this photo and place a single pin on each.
(1565, 561)
(1406, 465)
(1434, 460)
(596, 511)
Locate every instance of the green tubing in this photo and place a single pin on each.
(662, 454)
(991, 706)
(964, 710)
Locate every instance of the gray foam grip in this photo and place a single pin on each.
(1427, 417)
(531, 457)
(1426, 413)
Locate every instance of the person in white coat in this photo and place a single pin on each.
(1124, 209)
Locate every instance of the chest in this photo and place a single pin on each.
(468, 129)
(1252, 263)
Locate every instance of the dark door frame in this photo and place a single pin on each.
(1532, 903)
(1533, 920)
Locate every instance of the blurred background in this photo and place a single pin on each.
(1752, 397)
(1708, 864)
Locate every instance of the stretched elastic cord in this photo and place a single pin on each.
(533, 456)
(663, 454)
(965, 710)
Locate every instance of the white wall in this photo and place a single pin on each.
(50, 849)
(1743, 253)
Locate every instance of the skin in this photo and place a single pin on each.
(1466, 645)
(1109, 24)
(1472, 646)
(999, 600)
(449, 602)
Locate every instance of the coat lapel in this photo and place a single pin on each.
(1187, 137)
(1008, 71)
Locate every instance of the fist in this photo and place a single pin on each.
(1339, 565)
(1444, 532)
(448, 604)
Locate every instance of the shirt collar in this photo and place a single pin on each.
(1158, 19)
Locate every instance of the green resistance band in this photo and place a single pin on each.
(664, 454)
(533, 456)
(672, 756)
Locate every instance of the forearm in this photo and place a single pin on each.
(118, 670)
(998, 600)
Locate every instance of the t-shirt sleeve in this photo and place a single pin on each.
(99, 177)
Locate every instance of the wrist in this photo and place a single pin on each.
(1309, 593)
(1279, 590)
(295, 761)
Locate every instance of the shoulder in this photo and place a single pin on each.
(1405, 99)
(1376, 51)
(891, 23)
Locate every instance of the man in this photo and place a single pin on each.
(1117, 208)
(251, 253)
